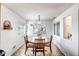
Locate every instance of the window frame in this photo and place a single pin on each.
(57, 28)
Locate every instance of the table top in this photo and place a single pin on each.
(38, 39)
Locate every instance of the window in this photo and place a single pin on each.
(54, 29)
(57, 28)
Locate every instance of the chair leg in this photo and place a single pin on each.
(26, 50)
(35, 51)
(43, 52)
(50, 49)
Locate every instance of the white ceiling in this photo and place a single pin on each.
(30, 11)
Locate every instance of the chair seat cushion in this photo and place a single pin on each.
(39, 50)
(47, 45)
(30, 45)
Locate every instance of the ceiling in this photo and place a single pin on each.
(30, 11)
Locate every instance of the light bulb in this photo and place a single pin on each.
(36, 30)
(39, 22)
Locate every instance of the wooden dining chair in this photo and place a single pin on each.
(49, 43)
(39, 46)
(28, 44)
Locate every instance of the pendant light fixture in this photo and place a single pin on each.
(39, 19)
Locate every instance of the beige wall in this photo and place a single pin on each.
(78, 31)
(0, 23)
(0, 10)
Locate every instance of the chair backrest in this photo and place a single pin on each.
(41, 43)
(26, 39)
(39, 39)
(51, 37)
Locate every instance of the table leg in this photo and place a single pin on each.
(43, 52)
(35, 51)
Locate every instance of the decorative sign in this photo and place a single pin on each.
(7, 25)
